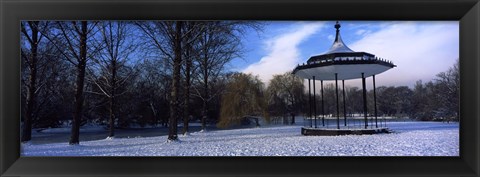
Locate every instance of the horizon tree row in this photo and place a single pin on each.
(285, 97)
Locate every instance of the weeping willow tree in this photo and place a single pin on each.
(243, 97)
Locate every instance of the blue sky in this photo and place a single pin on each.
(420, 49)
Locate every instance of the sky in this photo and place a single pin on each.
(420, 49)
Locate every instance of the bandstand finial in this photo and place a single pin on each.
(337, 26)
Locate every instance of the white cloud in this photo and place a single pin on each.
(331, 37)
(419, 49)
(362, 32)
(283, 52)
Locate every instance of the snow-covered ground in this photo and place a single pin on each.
(409, 139)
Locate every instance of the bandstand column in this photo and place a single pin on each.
(338, 108)
(375, 101)
(314, 103)
(344, 104)
(309, 103)
(323, 109)
(364, 101)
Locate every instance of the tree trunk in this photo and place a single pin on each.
(293, 110)
(174, 106)
(32, 84)
(166, 104)
(187, 94)
(112, 98)
(205, 89)
(77, 114)
(293, 118)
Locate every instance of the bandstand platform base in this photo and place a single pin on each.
(335, 132)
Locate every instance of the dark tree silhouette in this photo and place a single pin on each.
(71, 39)
(33, 36)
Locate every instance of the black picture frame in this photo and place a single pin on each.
(13, 11)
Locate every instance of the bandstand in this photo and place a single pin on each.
(341, 63)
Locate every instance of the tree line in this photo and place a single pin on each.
(286, 96)
(119, 73)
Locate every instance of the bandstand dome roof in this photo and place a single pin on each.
(338, 45)
(342, 61)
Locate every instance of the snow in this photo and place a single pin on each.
(409, 139)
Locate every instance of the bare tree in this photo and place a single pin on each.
(31, 32)
(166, 37)
(71, 38)
(111, 63)
(189, 55)
(174, 101)
(421, 104)
(354, 100)
(170, 37)
(155, 83)
(51, 78)
(448, 92)
(219, 43)
(288, 89)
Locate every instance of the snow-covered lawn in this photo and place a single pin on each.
(409, 139)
